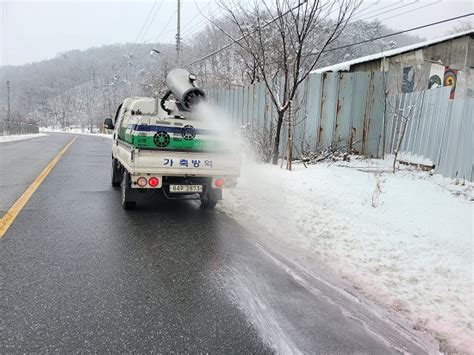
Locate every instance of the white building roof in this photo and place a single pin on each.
(345, 66)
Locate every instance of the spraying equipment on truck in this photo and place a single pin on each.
(167, 145)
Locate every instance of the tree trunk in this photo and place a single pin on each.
(276, 143)
(290, 135)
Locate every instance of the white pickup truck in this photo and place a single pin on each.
(161, 144)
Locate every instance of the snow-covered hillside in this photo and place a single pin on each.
(405, 239)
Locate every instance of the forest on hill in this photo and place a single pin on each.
(82, 87)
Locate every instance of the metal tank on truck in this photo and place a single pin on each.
(164, 145)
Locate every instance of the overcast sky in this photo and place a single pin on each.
(37, 30)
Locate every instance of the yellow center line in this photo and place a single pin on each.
(7, 220)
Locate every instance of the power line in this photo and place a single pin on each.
(195, 27)
(418, 8)
(335, 48)
(139, 36)
(357, 17)
(189, 29)
(141, 29)
(164, 28)
(191, 23)
(361, 11)
(152, 20)
(357, 14)
(273, 20)
(148, 28)
(395, 33)
(384, 12)
(198, 26)
(146, 20)
(247, 35)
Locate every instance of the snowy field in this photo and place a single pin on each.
(19, 137)
(405, 240)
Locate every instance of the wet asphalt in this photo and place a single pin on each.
(21, 162)
(78, 273)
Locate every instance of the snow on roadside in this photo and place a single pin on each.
(404, 239)
(19, 137)
(75, 131)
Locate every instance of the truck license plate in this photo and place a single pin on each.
(185, 188)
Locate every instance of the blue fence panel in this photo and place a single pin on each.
(328, 109)
(299, 118)
(361, 87)
(260, 107)
(437, 128)
(375, 118)
(344, 110)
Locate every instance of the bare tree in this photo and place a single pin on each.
(404, 121)
(65, 103)
(461, 26)
(285, 39)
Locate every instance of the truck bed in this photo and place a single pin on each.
(176, 163)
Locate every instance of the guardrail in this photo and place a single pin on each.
(17, 128)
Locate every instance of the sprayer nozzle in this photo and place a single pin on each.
(181, 84)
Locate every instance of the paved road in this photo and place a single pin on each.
(21, 162)
(78, 273)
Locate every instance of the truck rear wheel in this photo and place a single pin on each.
(116, 177)
(128, 200)
(209, 199)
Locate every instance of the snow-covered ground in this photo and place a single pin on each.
(405, 239)
(19, 137)
(75, 131)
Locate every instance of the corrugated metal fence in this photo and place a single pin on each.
(332, 108)
(436, 128)
(347, 110)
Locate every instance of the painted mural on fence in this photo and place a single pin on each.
(436, 76)
(408, 79)
(450, 79)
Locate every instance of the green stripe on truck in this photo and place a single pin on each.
(175, 143)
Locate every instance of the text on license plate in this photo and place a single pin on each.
(185, 188)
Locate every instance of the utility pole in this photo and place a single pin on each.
(178, 34)
(8, 105)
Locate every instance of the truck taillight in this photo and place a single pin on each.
(219, 182)
(153, 182)
(141, 181)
